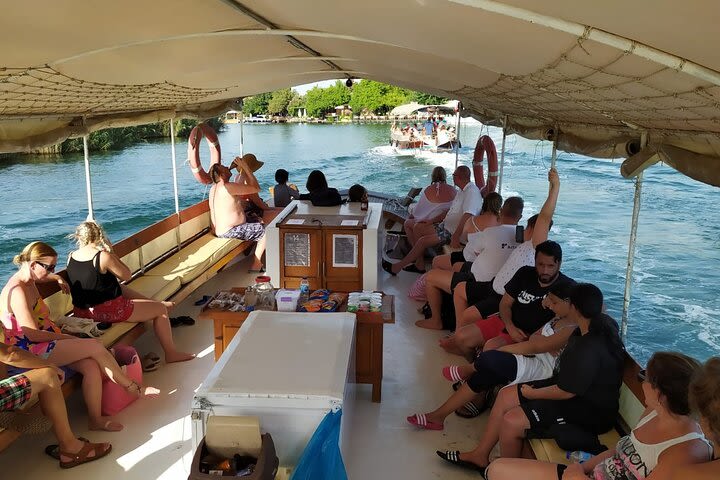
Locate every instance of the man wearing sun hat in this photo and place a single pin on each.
(253, 205)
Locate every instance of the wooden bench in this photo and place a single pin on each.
(169, 260)
(632, 405)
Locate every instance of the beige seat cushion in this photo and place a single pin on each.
(59, 304)
(194, 259)
(157, 288)
(547, 450)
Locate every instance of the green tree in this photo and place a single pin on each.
(279, 101)
(257, 104)
(427, 99)
(376, 97)
(297, 101)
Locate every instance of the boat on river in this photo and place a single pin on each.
(606, 79)
(423, 127)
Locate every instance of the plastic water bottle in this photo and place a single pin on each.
(304, 291)
(578, 456)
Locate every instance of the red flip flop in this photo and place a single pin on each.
(421, 421)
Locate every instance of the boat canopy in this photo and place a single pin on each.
(412, 108)
(594, 76)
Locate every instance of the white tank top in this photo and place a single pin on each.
(425, 209)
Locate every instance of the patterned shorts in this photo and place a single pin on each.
(245, 231)
(116, 310)
(14, 392)
(443, 234)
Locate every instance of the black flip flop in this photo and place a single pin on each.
(456, 385)
(203, 300)
(181, 320)
(412, 268)
(470, 410)
(453, 456)
(54, 450)
(387, 266)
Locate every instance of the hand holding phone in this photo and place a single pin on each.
(519, 234)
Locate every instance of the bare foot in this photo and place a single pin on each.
(105, 424)
(178, 357)
(429, 324)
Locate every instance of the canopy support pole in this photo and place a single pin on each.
(502, 154)
(88, 186)
(457, 135)
(175, 181)
(242, 114)
(556, 134)
(631, 246)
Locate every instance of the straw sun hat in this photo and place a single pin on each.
(251, 161)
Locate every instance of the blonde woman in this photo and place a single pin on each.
(93, 271)
(27, 324)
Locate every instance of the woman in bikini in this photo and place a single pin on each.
(665, 439)
(27, 324)
(93, 271)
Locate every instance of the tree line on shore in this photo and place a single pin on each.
(366, 97)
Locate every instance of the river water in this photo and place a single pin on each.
(675, 303)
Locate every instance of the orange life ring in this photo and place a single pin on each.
(197, 133)
(485, 144)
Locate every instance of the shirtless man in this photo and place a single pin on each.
(226, 212)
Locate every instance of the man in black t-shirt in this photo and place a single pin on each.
(521, 311)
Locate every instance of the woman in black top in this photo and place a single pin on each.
(320, 194)
(584, 390)
(94, 270)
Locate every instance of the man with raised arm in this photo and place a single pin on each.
(485, 299)
(44, 381)
(226, 211)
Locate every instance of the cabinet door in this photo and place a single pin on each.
(228, 333)
(343, 259)
(300, 256)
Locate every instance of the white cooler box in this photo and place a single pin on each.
(288, 369)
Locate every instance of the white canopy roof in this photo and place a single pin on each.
(599, 73)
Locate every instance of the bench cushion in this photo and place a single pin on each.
(194, 259)
(157, 288)
(59, 304)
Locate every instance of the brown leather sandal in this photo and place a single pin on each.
(98, 450)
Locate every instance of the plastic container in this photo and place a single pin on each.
(578, 456)
(265, 293)
(287, 300)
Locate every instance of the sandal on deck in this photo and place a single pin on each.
(452, 373)
(203, 300)
(98, 450)
(412, 268)
(181, 320)
(471, 410)
(54, 450)
(421, 421)
(150, 362)
(387, 266)
(457, 385)
(453, 456)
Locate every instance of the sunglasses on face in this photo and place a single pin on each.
(49, 268)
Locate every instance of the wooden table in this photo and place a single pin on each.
(368, 337)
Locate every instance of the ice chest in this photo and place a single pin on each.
(288, 369)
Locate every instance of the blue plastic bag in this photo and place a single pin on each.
(322, 459)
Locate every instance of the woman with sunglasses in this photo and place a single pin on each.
(665, 438)
(27, 325)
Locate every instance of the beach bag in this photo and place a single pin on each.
(417, 290)
(114, 397)
(396, 245)
(322, 459)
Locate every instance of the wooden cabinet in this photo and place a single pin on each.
(328, 253)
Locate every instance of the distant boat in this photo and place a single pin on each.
(423, 127)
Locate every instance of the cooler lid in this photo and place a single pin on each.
(285, 354)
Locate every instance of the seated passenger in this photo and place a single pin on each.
(521, 310)
(432, 206)
(283, 193)
(93, 271)
(474, 300)
(584, 391)
(511, 364)
(357, 193)
(487, 251)
(490, 216)
(44, 380)
(466, 204)
(320, 195)
(253, 206)
(27, 325)
(664, 441)
(227, 215)
(705, 399)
